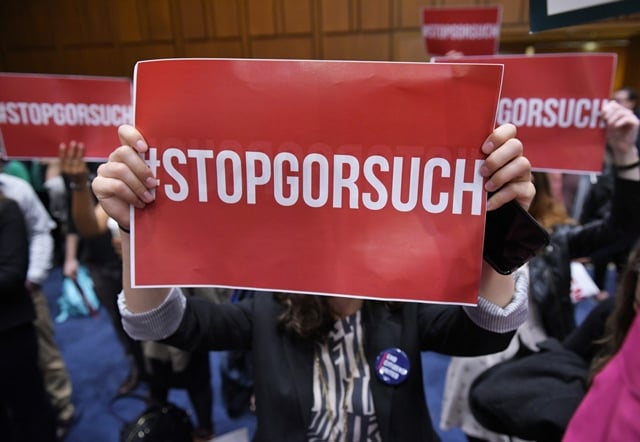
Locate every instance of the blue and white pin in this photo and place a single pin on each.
(392, 366)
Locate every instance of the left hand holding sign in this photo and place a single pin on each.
(508, 174)
(122, 181)
(125, 178)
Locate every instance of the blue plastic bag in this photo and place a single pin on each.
(78, 297)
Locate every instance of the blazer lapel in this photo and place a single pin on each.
(299, 356)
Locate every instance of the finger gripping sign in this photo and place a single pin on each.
(327, 177)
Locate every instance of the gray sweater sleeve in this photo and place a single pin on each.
(155, 324)
(164, 320)
(508, 318)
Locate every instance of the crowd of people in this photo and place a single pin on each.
(324, 381)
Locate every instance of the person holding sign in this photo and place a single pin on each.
(551, 312)
(327, 367)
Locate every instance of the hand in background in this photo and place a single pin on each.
(72, 164)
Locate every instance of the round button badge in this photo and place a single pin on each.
(392, 366)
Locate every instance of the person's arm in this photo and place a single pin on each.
(84, 210)
(622, 134)
(122, 181)
(622, 224)
(71, 263)
(508, 174)
(39, 226)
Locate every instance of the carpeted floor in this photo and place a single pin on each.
(97, 365)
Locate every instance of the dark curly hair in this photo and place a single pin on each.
(307, 316)
(310, 316)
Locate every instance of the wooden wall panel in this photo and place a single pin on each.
(69, 16)
(132, 54)
(127, 21)
(357, 47)
(336, 15)
(409, 46)
(227, 18)
(410, 12)
(375, 14)
(463, 2)
(262, 17)
(217, 49)
(297, 48)
(107, 36)
(515, 12)
(92, 61)
(194, 19)
(297, 16)
(35, 60)
(26, 24)
(631, 70)
(158, 19)
(98, 22)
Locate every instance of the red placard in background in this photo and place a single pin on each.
(279, 175)
(38, 112)
(469, 30)
(555, 101)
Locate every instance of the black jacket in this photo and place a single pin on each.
(550, 272)
(283, 364)
(16, 307)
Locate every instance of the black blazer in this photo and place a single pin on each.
(16, 307)
(283, 364)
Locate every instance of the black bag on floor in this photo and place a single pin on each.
(159, 422)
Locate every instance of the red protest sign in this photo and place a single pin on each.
(347, 178)
(469, 30)
(555, 101)
(38, 112)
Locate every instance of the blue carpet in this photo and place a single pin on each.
(97, 366)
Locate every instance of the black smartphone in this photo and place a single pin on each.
(512, 237)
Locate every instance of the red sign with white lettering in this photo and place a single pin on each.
(38, 112)
(345, 178)
(555, 101)
(468, 30)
